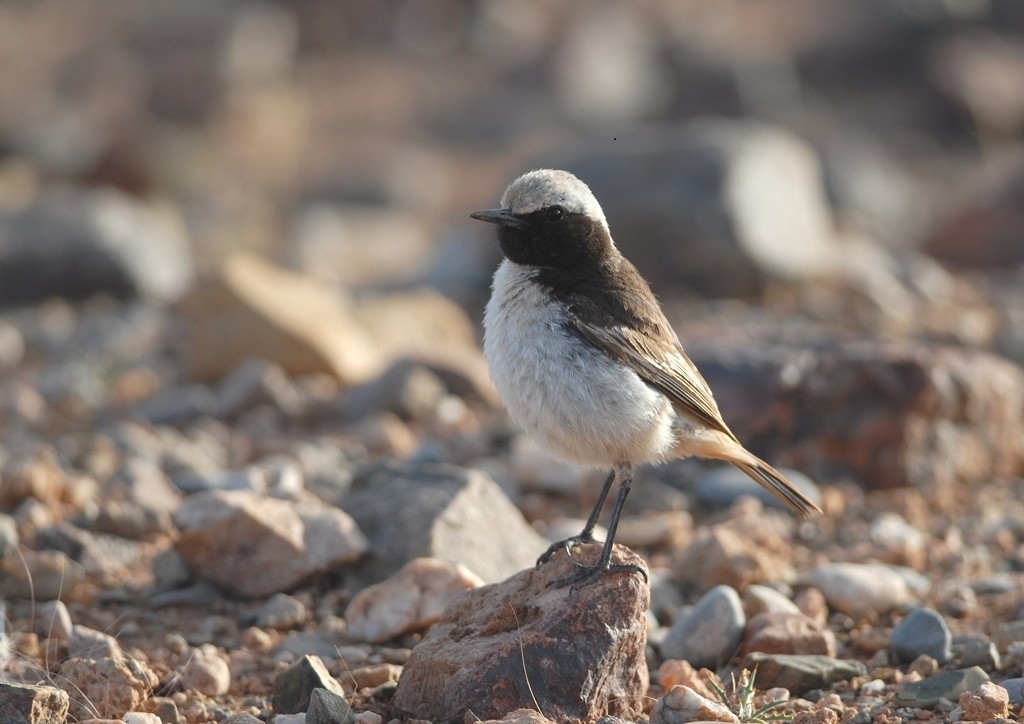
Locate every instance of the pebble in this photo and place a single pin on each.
(86, 643)
(710, 633)
(861, 589)
(986, 702)
(1015, 690)
(328, 707)
(257, 382)
(724, 554)
(206, 669)
(8, 535)
(926, 693)
(141, 717)
(977, 651)
(282, 612)
(294, 686)
(765, 599)
(682, 704)
(373, 676)
(788, 633)
(922, 631)
(409, 601)
(53, 620)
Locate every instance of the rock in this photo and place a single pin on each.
(720, 486)
(533, 468)
(979, 232)
(521, 716)
(252, 308)
(801, 672)
(374, 676)
(524, 644)
(24, 704)
(205, 669)
(897, 541)
(257, 382)
(176, 406)
(412, 510)
(1015, 690)
(283, 612)
(764, 599)
(53, 621)
(140, 717)
(294, 687)
(978, 652)
(8, 535)
(988, 701)
(406, 388)
(327, 707)
(39, 575)
(608, 71)
(105, 688)
(429, 329)
(723, 555)
(360, 245)
(682, 704)
(104, 557)
(923, 631)
(86, 643)
(788, 633)
(1006, 633)
(885, 413)
(676, 672)
(411, 600)
(859, 589)
(73, 244)
(255, 546)
(710, 633)
(720, 207)
(926, 693)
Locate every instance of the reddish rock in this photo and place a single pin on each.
(254, 546)
(983, 231)
(411, 600)
(524, 644)
(886, 414)
(722, 555)
(105, 688)
(683, 704)
(986, 702)
(788, 633)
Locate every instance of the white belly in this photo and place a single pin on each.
(579, 404)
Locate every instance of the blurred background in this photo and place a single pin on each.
(185, 186)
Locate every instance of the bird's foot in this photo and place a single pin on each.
(589, 574)
(564, 545)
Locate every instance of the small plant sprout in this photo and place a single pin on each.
(740, 699)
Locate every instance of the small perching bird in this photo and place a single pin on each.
(584, 359)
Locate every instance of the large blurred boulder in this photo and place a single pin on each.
(252, 308)
(74, 244)
(719, 207)
(886, 414)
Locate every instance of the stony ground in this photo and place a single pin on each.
(249, 453)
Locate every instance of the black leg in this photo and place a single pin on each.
(587, 534)
(587, 574)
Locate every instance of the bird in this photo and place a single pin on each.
(586, 362)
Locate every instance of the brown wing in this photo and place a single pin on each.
(660, 363)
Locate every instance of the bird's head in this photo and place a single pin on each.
(550, 218)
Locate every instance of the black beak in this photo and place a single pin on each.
(501, 217)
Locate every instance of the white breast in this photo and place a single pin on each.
(580, 404)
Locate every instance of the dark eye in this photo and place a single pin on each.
(554, 214)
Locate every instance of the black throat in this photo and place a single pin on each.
(575, 242)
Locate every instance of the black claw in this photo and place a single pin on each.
(589, 574)
(566, 545)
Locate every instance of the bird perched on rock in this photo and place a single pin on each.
(584, 359)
